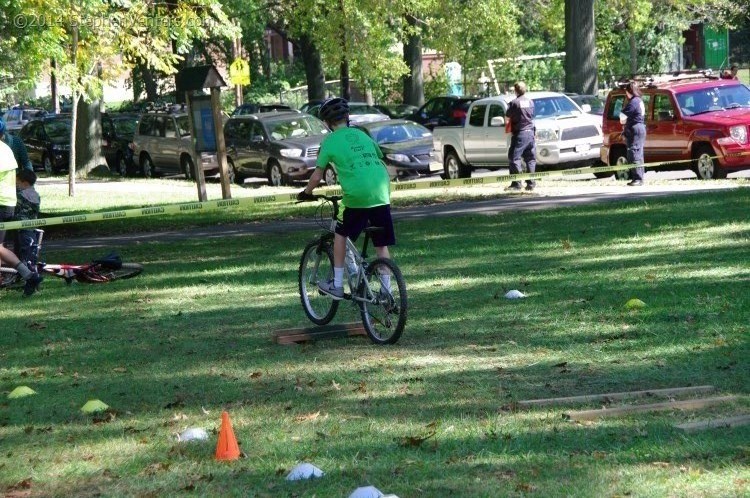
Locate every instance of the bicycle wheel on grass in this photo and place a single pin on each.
(9, 277)
(316, 266)
(385, 319)
(99, 274)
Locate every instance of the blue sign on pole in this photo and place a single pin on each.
(203, 122)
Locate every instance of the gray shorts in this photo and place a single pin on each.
(6, 214)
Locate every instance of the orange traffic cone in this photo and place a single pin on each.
(227, 447)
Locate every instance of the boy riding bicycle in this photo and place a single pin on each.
(365, 185)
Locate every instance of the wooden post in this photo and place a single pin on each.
(200, 178)
(221, 148)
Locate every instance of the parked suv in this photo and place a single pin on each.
(442, 111)
(117, 139)
(47, 141)
(693, 120)
(162, 143)
(16, 118)
(280, 146)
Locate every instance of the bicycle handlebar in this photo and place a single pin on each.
(303, 197)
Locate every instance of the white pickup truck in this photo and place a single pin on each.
(566, 136)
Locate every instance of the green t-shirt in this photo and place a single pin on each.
(7, 176)
(364, 180)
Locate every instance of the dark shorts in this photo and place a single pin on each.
(357, 219)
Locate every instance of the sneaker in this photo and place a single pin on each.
(635, 183)
(337, 293)
(530, 187)
(513, 186)
(32, 284)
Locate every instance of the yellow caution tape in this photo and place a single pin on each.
(218, 205)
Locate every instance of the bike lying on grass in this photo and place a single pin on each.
(99, 271)
(383, 310)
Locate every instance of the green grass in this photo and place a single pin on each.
(432, 416)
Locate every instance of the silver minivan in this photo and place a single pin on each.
(162, 144)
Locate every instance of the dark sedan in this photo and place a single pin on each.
(280, 146)
(48, 142)
(406, 147)
(117, 138)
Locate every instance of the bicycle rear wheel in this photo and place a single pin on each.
(316, 266)
(385, 319)
(9, 277)
(99, 274)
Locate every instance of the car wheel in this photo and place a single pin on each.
(122, 165)
(619, 158)
(47, 165)
(147, 166)
(705, 165)
(234, 177)
(275, 176)
(188, 168)
(454, 168)
(330, 176)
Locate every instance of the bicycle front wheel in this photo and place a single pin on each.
(99, 274)
(385, 317)
(316, 266)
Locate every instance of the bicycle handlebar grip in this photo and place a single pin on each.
(304, 196)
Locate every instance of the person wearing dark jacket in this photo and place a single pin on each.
(633, 117)
(520, 113)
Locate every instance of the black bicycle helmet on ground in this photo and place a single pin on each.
(334, 110)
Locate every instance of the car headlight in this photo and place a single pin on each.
(548, 135)
(291, 152)
(399, 158)
(739, 133)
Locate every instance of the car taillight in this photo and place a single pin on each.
(459, 114)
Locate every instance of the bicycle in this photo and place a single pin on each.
(99, 271)
(383, 311)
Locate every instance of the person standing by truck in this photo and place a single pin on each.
(520, 114)
(633, 117)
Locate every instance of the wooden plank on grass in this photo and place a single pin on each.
(691, 404)
(293, 336)
(715, 423)
(674, 391)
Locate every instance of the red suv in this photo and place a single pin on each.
(693, 120)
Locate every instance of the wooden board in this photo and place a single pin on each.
(714, 423)
(293, 336)
(675, 391)
(691, 404)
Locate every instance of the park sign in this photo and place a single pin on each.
(239, 72)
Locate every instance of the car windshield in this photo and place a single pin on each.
(399, 132)
(125, 127)
(297, 127)
(57, 129)
(363, 109)
(550, 107)
(713, 99)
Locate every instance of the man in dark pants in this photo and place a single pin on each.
(520, 113)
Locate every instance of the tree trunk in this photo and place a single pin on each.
(148, 80)
(346, 87)
(316, 79)
(53, 87)
(633, 54)
(580, 47)
(88, 153)
(414, 80)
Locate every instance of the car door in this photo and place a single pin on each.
(29, 138)
(257, 148)
(170, 145)
(665, 137)
(230, 141)
(497, 140)
(109, 141)
(475, 135)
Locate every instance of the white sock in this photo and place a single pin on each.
(338, 276)
(386, 279)
(23, 270)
